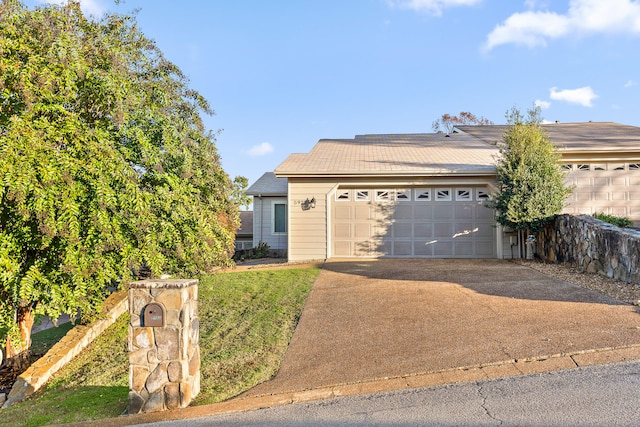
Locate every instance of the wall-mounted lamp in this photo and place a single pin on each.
(308, 204)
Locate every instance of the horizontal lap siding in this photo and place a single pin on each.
(308, 228)
(263, 223)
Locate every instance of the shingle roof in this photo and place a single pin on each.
(246, 224)
(587, 137)
(268, 185)
(403, 154)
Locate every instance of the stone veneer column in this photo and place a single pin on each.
(164, 361)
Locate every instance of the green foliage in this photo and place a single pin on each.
(105, 165)
(618, 221)
(531, 187)
(246, 322)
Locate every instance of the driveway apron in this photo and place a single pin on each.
(373, 319)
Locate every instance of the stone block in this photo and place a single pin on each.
(155, 402)
(168, 342)
(138, 299)
(194, 363)
(170, 299)
(136, 402)
(175, 371)
(157, 379)
(172, 396)
(142, 338)
(186, 394)
(137, 377)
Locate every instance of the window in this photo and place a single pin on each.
(582, 167)
(279, 218)
(599, 167)
(403, 195)
(634, 166)
(362, 196)
(616, 167)
(343, 195)
(463, 194)
(423, 194)
(482, 195)
(383, 195)
(443, 194)
(567, 167)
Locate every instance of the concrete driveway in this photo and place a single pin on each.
(367, 320)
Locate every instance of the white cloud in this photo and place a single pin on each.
(434, 7)
(630, 83)
(261, 149)
(535, 28)
(89, 7)
(542, 104)
(581, 96)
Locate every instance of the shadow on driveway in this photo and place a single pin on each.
(373, 319)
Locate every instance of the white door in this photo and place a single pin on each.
(428, 222)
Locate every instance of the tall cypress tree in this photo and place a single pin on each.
(531, 181)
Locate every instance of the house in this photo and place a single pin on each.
(244, 235)
(425, 195)
(270, 207)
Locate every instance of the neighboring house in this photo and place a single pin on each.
(244, 235)
(424, 195)
(270, 207)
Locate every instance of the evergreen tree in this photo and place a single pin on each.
(531, 181)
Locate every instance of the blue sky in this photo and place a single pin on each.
(283, 74)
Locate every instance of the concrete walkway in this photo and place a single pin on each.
(381, 325)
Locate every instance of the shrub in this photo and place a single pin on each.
(619, 221)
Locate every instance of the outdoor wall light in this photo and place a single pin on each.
(308, 204)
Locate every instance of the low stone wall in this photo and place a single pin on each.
(66, 349)
(592, 245)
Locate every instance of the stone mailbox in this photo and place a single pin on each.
(164, 355)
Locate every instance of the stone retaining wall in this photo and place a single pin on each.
(592, 245)
(66, 349)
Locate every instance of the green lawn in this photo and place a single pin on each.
(246, 322)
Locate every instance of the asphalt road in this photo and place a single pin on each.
(601, 395)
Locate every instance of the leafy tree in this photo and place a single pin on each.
(447, 122)
(105, 166)
(531, 181)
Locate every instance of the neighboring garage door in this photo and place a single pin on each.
(611, 188)
(429, 222)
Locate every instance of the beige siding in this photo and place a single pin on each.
(308, 228)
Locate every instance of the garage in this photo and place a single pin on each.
(421, 222)
(608, 187)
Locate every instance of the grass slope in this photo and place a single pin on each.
(246, 322)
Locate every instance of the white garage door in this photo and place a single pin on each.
(429, 222)
(611, 188)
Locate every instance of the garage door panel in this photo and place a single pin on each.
(342, 249)
(422, 230)
(402, 211)
(423, 248)
(443, 229)
(402, 230)
(342, 212)
(485, 249)
(443, 212)
(464, 212)
(443, 249)
(413, 228)
(464, 249)
(422, 212)
(402, 249)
